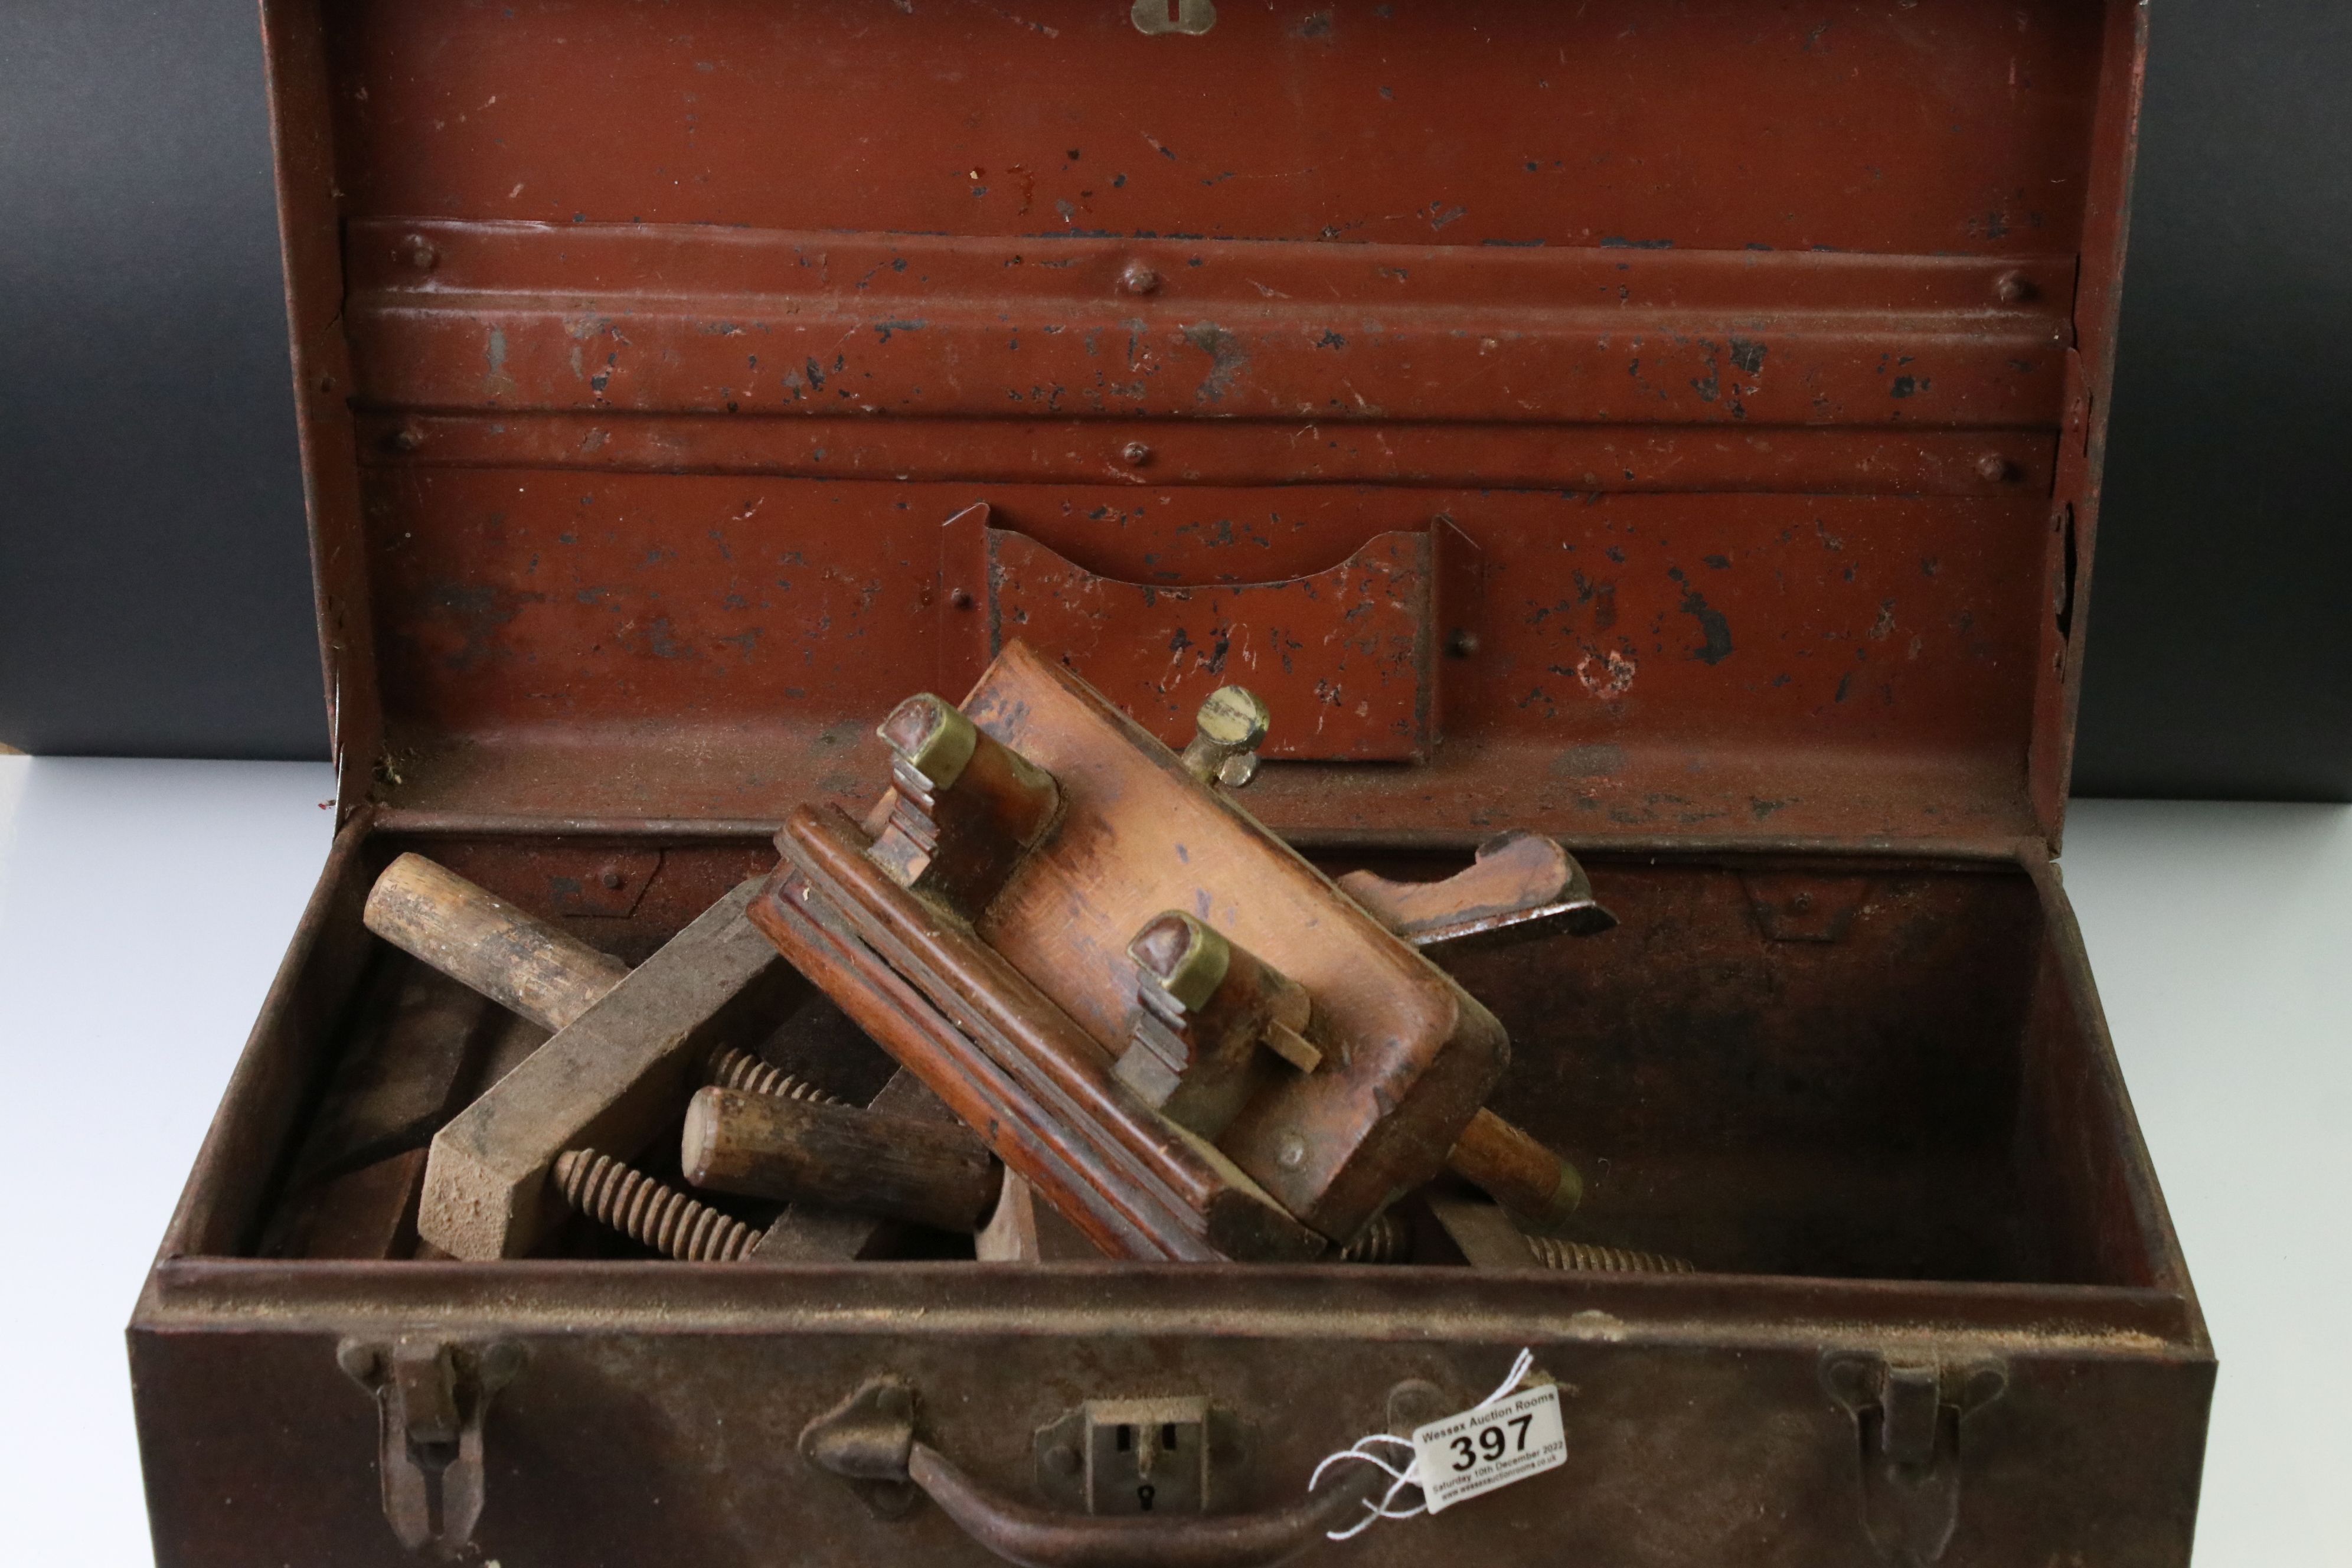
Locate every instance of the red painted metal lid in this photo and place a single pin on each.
(1635, 422)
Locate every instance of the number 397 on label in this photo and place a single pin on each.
(1479, 1450)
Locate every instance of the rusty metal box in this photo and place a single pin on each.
(1670, 425)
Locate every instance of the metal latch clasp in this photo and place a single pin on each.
(1908, 1418)
(1173, 15)
(431, 1396)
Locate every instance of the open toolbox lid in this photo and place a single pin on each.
(1638, 422)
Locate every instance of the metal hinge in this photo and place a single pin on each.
(1909, 1419)
(430, 1397)
(2075, 407)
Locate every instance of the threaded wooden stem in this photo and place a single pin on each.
(730, 1068)
(644, 1210)
(1581, 1257)
(1386, 1240)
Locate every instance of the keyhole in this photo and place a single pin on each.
(1143, 1494)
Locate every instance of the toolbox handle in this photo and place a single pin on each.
(1041, 1539)
(868, 1440)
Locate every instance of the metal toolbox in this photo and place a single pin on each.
(1672, 428)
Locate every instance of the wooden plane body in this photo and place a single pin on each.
(1016, 1007)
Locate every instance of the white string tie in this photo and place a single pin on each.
(1409, 1475)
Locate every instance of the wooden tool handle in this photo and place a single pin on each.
(765, 1147)
(1518, 1172)
(477, 938)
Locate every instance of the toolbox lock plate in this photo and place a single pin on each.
(1909, 1419)
(431, 1396)
(1141, 1456)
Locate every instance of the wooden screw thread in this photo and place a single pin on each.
(732, 1068)
(1386, 1240)
(1582, 1258)
(642, 1209)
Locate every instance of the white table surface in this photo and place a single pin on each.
(144, 905)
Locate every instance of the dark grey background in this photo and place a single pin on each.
(154, 593)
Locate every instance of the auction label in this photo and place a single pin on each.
(1479, 1450)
